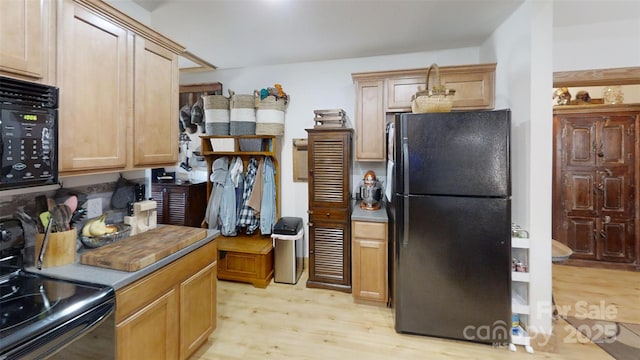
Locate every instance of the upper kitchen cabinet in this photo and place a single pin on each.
(25, 51)
(118, 84)
(379, 93)
(156, 105)
(370, 117)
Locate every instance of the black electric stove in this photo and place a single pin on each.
(38, 314)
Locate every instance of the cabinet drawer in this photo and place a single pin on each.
(151, 287)
(325, 214)
(369, 230)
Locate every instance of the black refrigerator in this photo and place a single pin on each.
(451, 208)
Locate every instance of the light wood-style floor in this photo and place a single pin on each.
(294, 322)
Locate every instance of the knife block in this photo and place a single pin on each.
(61, 248)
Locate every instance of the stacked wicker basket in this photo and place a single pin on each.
(244, 114)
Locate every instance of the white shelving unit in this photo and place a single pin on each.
(520, 294)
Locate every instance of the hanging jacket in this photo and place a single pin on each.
(255, 200)
(247, 218)
(228, 208)
(228, 205)
(219, 170)
(268, 205)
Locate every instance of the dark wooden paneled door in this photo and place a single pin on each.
(594, 210)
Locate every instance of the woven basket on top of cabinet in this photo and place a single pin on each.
(216, 114)
(270, 115)
(242, 114)
(435, 99)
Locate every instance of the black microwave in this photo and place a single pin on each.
(28, 134)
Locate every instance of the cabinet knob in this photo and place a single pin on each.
(328, 214)
(310, 224)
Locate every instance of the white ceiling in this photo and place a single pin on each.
(240, 33)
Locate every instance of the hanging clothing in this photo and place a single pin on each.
(268, 205)
(228, 208)
(247, 217)
(255, 200)
(219, 170)
(236, 170)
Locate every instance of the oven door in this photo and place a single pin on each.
(41, 315)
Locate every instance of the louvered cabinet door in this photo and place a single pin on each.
(330, 157)
(329, 255)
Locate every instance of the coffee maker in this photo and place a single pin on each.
(370, 192)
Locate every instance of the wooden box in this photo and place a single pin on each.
(246, 259)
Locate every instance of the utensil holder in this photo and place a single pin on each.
(61, 248)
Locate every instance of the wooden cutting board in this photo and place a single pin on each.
(141, 250)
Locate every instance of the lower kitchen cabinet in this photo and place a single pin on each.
(170, 313)
(180, 204)
(370, 281)
(146, 333)
(329, 255)
(197, 310)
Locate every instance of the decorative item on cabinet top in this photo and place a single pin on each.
(438, 98)
(330, 118)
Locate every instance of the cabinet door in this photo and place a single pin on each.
(171, 203)
(616, 243)
(581, 236)
(616, 140)
(197, 310)
(474, 89)
(370, 118)
(157, 193)
(329, 169)
(152, 332)
(330, 253)
(400, 91)
(579, 141)
(369, 261)
(95, 91)
(22, 37)
(155, 134)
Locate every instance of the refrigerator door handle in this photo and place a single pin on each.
(405, 164)
(405, 217)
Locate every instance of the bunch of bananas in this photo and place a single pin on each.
(97, 227)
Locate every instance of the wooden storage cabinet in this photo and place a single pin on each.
(329, 163)
(155, 317)
(26, 49)
(246, 260)
(119, 103)
(379, 93)
(595, 183)
(180, 204)
(370, 262)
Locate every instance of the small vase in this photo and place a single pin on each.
(612, 95)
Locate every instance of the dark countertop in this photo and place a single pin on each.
(359, 214)
(115, 278)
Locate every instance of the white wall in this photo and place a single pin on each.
(598, 45)
(523, 80)
(320, 85)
